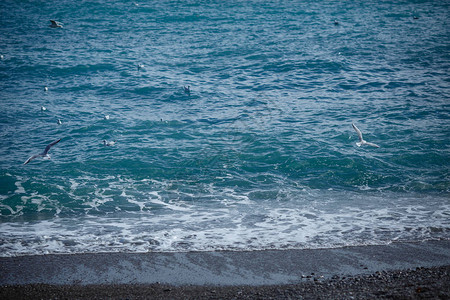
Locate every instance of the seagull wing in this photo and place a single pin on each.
(49, 146)
(372, 144)
(54, 22)
(31, 158)
(358, 132)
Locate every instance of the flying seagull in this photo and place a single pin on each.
(43, 154)
(361, 140)
(55, 24)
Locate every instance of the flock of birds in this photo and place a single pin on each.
(111, 143)
(187, 91)
(45, 154)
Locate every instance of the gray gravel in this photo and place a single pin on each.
(419, 283)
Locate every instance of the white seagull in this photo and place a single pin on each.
(106, 117)
(55, 24)
(43, 154)
(106, 143)
(361, 140)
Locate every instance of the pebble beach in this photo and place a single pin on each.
(396, 271)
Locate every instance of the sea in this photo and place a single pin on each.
(232, 123)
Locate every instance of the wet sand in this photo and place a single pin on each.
(399, 270)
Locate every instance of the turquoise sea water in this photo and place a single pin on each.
(260, 155)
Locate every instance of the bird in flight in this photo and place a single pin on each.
(43, 154)
(361, 140)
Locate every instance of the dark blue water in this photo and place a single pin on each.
(260, 155)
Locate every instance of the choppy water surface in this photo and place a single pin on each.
(260, 155)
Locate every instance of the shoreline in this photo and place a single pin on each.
(263, 267)
(404, 269)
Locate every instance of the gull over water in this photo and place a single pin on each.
(361, 140)
(43, 154)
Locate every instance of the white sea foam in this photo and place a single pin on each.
(18, 184)
(168, 205)
(141, 204)
(12, 211)
(245, 225)
(73, 184)
(172, 218)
